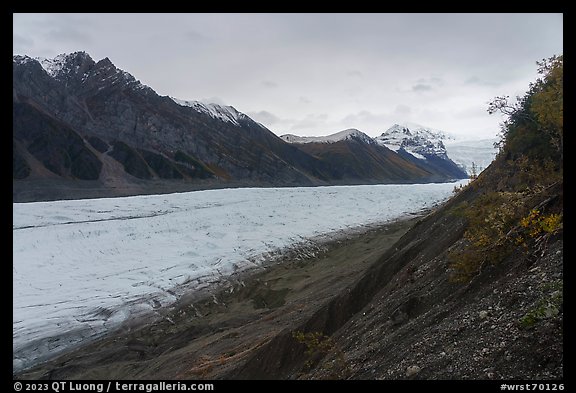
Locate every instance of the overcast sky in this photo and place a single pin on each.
(316, 74)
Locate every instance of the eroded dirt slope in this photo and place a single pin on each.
(214, 335)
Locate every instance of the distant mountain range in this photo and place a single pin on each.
(359, 154)
(436, 150)
(89, 129)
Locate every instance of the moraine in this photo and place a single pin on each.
(82, 267)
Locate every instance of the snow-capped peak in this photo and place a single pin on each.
(401, 131)
(64, 63)
(79, 67)
(21, 59)
(220, 112)
(415, 139)
(350, 133)
(419, 129)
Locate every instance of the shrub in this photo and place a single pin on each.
(547, 307)
(497, 223)
(317, 345)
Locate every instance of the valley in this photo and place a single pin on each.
(81, 268)
(157, 237)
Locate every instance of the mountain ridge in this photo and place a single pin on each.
(153, 143)
(421, 146)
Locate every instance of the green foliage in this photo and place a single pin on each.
(547, 307)
(457, 190)
(508, 219)
(474, 170)
(548, 102)
(536, 223)
(316, 342)
(317, 345)
(460, 188)
(534, 175)
(490, 219)
(535, 121)
(497, 223)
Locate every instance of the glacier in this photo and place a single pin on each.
(82, 268)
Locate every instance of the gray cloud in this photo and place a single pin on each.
(402, 110)
(69, 34)
(470, 112)
(434, 80)
(474, 80)
(213, 100)
(365, 117)
(311, 120)
(264, 117)
(269, 84)
(195, 36)
(420, 87)
(356, 76)
(21, 43)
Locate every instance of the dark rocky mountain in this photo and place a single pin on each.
(422, 147)
(357, 156)
(86, 129)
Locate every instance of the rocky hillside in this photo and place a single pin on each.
(474, 290)
(130, 134)
(86, 128)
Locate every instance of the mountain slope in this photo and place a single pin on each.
(421, 145)
(344, 135)
(111, 104)
(353, 158)
(384, 157)
(419, 319)
(148, 143)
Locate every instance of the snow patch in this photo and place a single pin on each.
(348, 134)
(61, 63)
(220, 112)
(417, 155)
(54, 66)
(21, 59)
(67, 65)
(415, 139)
